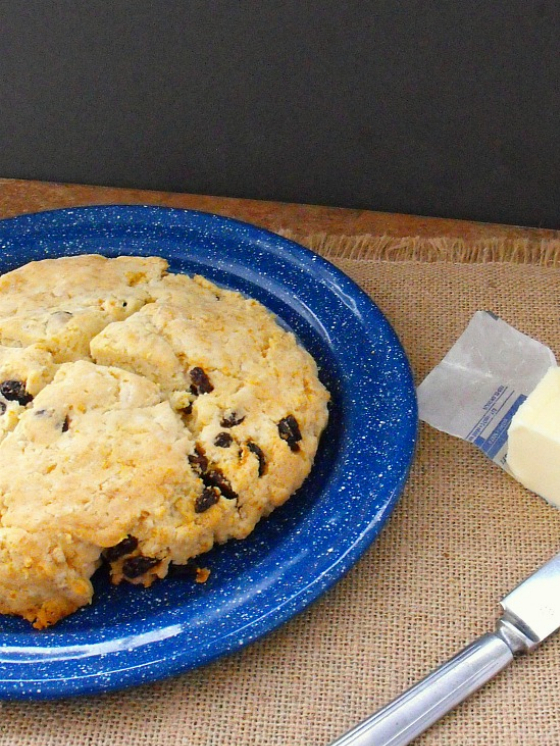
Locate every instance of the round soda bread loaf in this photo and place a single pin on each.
(144, 417)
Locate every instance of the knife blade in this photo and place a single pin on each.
(531, 614)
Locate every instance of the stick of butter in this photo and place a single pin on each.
(500, 390)
(533, 454)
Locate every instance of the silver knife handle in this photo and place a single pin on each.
(406, 717)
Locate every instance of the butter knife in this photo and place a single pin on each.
(531, 613)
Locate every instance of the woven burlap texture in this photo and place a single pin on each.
(463, 534)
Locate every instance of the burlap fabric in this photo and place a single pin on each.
(463, 534)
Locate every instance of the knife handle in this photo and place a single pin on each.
(409, 715)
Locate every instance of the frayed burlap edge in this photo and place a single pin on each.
(544, 252)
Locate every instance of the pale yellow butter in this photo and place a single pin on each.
(534, 439)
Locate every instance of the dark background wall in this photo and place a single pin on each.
(418, 106)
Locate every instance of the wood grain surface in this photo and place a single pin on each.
(19, 196)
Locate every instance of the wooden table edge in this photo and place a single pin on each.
(19, 196)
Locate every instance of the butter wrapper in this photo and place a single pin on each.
(481, 383)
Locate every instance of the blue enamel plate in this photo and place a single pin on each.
(130, 635)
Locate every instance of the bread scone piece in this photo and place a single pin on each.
(63, 303)
(248, 392)
(97, 458)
